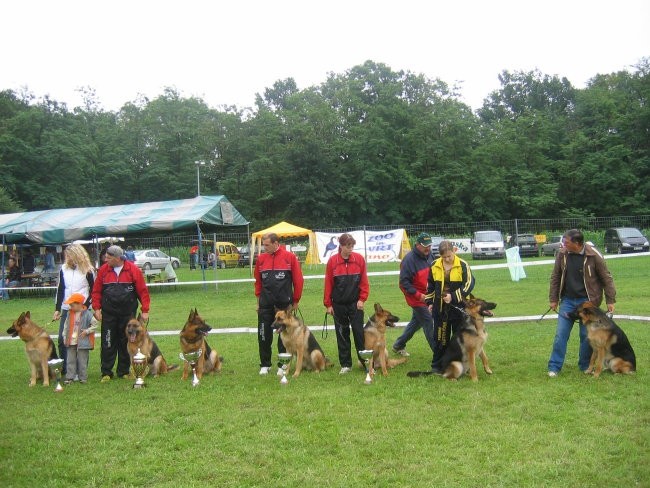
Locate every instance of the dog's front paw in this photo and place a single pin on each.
(488, 370)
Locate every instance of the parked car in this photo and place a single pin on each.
(488, 244)
(154, 259)
(244, 257)
(435, 242)
(625, 239)
(527, 244)
(551, 246)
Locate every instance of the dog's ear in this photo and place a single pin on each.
(378, 308)
(27, 315)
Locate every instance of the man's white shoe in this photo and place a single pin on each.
(552, 374)
(345, 370)
(264, 370)
(282, 370)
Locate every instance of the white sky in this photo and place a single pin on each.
(226, 51)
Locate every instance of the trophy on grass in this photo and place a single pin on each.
(366, 355)
(192, 358)
(56, 365)
(140, 367)
(284, 358)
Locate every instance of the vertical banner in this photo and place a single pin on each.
(374, 246)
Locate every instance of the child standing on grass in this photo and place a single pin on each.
(79, 338)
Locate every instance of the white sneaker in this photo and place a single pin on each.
(345, 370)
(264, 370)
(552, 374)
(282, 370)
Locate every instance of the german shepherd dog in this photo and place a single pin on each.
(39, 347)
(192, 339)
(374, 338)
(300, 343)
(611, 348)
(467, 343)
(139, 339)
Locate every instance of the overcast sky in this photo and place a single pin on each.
(226, 51)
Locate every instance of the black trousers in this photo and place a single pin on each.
(347, 315)
(265, 319)
(114, 342)
(445, 324)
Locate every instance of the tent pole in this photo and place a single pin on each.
(214, 250)
(251, 249)
(2, 268)
(198, 229)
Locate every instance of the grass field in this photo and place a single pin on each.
(516, 428)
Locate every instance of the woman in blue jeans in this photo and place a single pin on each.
(579, 275)
(12, 278)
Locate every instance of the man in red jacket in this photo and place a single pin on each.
(117, 289)
(346, 291)
(278, 285)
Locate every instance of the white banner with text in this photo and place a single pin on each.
(375, 246)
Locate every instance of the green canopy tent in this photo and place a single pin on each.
(68, 224)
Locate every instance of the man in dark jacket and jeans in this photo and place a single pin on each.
(116, 291)
(278, 285)
(413, 281)
(346, 291)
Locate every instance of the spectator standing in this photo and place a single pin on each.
(579, 275)
(194, 256)
(116, 292)
(278, 286)
(129, 255)
(79, 338)
(346, 291)
(76, 276)
(13, 275)
(413, 281)
(450, 282)
(50, 262)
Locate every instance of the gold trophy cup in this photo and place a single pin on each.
(140, 367)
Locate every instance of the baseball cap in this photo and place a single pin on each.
(75, 298)
(423, 239)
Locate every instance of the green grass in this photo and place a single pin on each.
(512, 429)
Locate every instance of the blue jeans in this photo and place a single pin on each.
(5, 292)
(562, 334)
(420, 319)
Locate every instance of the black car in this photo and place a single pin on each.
(527, 245)
(245, 256)
(621, 240)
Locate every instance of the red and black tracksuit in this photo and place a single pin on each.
(117, 297)
(346, 282)
(278, 284)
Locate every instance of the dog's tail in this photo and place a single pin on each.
(415, 374)
(172, 367)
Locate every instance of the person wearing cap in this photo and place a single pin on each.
(450, 282)
(413, 280)
(79, 338)
(116, 292)
(346, 291)
(76, 275)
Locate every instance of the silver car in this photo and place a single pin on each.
(154, 259)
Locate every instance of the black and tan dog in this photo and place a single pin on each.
(192, 339)
(467, 343)
(138, 338)
(39, 347)
(374, 338)
(300, 343)
(611, 347)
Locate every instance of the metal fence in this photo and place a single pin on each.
(593, 227)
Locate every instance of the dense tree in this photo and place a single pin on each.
(367, 146)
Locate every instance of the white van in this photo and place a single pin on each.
(488, 244)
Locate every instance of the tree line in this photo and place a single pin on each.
(369, 146)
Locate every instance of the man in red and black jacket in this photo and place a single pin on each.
(116, 291)
(278, 285)
(346, 291)
(413, 281)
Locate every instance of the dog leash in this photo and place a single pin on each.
(323, 332)
(544, 314)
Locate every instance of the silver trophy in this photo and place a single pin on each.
(56, 365)
(366, 355)
(284, 358)
(140, 367)
(192, 358)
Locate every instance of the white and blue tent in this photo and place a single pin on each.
(68, 224)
